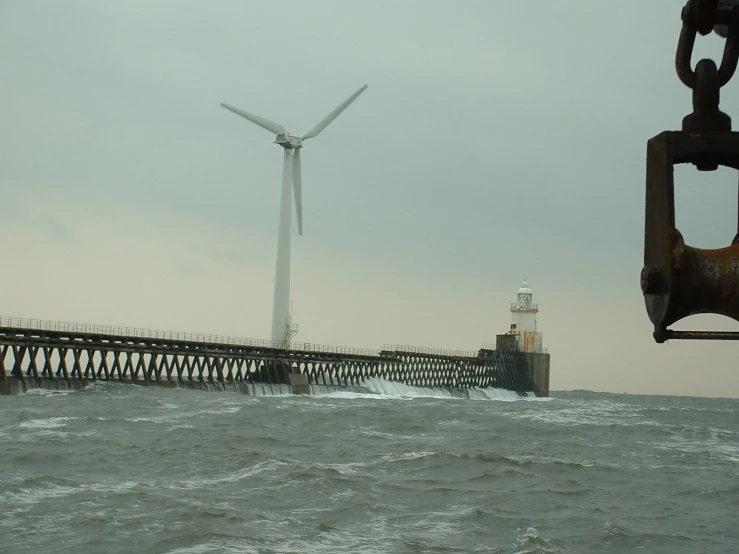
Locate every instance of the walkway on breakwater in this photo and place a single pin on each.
(50, 354)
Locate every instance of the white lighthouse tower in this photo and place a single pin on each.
(523, 321)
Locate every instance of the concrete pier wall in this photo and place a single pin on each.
(538, 368)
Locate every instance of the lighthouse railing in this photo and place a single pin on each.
(524, 306)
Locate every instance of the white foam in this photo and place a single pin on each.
(407, 456)
(206, 482)
(46, 392)
(36, 495)
(399, 390)
(49, 423)
(392, 389)
(495, 394)
(351, 395)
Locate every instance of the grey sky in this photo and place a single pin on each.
(496, 141)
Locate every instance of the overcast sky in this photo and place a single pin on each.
(497, 141)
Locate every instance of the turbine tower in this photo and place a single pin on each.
(282, 327)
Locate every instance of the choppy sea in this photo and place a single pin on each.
(121, 468)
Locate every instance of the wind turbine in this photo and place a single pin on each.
(282, 328)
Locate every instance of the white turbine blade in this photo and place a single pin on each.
(321, 125)
(276, 128)
(297, 188)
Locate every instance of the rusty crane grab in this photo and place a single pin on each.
(678, 280)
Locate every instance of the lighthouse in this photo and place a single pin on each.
(523, 322)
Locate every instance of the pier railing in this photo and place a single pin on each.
(426, 350)
(490, 346)
(134, 332)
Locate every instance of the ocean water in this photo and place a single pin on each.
(120, 468)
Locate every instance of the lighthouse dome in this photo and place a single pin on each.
(524, 288)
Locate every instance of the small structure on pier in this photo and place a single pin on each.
(523, 335)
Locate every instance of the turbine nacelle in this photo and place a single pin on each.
(294, 143)
(286, 140)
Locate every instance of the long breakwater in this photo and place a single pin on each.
(36, 353)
